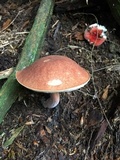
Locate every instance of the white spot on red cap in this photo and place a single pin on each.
(54, 82)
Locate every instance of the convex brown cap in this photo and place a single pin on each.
(53, 73)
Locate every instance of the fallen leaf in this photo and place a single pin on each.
(15, 134)
(100, 133)
(101, 130)
(6, 24)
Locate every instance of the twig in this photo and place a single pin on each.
(4, 45)
(92, 71)
(91, 14)
(22, 32)
(95, 89)
(92, 74)
(111, 67)
(93, 81)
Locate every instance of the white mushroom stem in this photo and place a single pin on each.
(51, 102)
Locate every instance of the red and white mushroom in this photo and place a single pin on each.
(95, 34)
(53, 74)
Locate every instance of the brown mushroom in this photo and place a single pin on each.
(53, 74)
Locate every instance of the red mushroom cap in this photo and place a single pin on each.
(95, 34)
(53, 73)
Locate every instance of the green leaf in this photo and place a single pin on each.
(15, 134)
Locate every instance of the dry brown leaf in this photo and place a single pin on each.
(101, 131)
(105, 93)
(6, 24)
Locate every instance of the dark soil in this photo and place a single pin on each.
(85, 125)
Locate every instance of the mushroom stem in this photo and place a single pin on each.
(51, 102)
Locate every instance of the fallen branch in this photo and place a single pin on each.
(31, 51)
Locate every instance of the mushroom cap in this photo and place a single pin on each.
(95, 34)
(53, 73)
